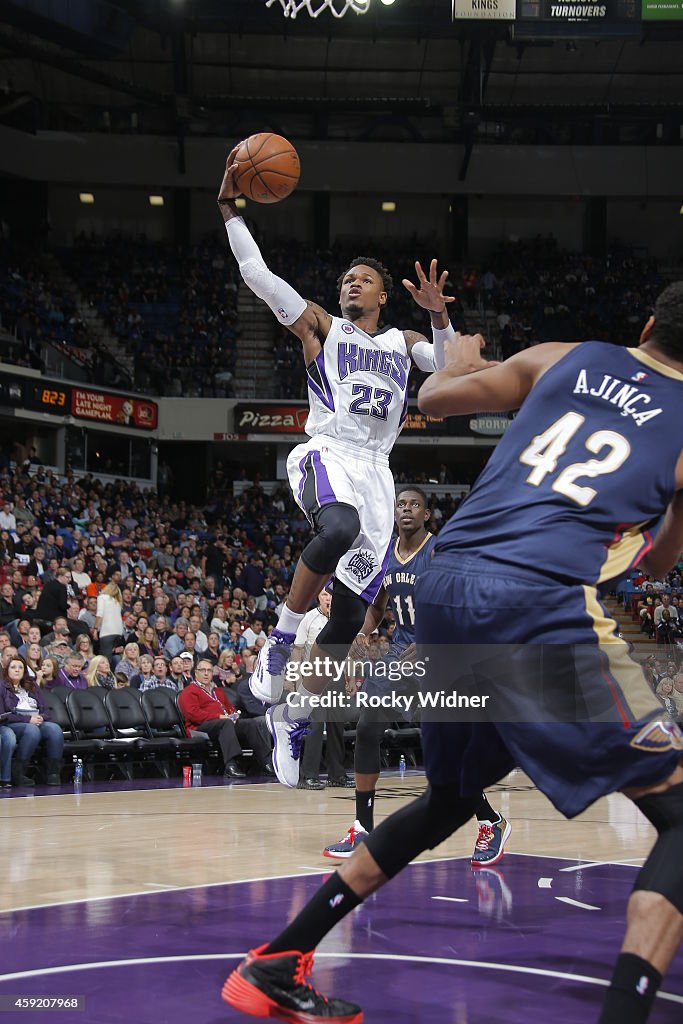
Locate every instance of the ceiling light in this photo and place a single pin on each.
(156, 200)
(87, 198)
(388, 207)
(241, 203)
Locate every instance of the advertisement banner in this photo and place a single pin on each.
(281, 418)
(485, 10)
(115, 409)
(270, 419)
(579, 10)
(662, 10)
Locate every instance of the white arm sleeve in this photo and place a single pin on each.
(423, 355)
(440, 336)
(285, 301)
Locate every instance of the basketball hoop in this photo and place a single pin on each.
(338, 8)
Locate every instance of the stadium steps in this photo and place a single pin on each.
(629, 629)
(97, 329)
(255, 362)
(484, 322)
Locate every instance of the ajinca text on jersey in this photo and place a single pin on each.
(629, 399)
(353, 358)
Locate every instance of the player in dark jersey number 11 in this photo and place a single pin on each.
(587, 481)
(410, 556)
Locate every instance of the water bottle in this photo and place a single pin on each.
(402, 766)
(78, 771)
(196, 774)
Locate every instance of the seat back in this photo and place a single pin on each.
(162, 712)
(88, 714)
(125, 711)
(57, 709)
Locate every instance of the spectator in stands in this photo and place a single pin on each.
(60, 631)
(33, 637)
(99, 673)
(254, 632)
(88, 614)
(83, 646)
(37, 566)
(677, 694)
(213, 650)
(53, 602)
(206, 708)
(178, 677)
(144, 679)
(224, 673)
(129, 665)
(162, 632)
(10, 605)
(236, 642)
(667, 625)
(176, 642)
(201, 641)
(79, 576)
(72, 674)
(665, 691)
(59, 649)
(28, 716)
(219, 623)
(49, 671)
(161, 673)
(108, 622)
(33, 658)
(189, 649)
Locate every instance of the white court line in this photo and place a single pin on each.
(626, 863)
(246, 881)
(576, 903)
(450, 899)
(445, 961)
(545, 883)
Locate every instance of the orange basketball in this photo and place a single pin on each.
(269, 168)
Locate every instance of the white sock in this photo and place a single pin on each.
(289, 620)
(304, 709)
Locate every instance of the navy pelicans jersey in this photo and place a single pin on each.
(578, 484)
(358, 386)
(399, 582)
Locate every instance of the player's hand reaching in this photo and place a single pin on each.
(228, 189)
(429, 294)
(464, 353)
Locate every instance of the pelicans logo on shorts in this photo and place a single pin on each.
(362, 565)
(658, 736)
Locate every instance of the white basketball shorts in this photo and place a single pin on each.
(323, 471)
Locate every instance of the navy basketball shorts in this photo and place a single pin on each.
(565, 701)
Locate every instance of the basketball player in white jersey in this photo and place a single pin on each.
(357, 385)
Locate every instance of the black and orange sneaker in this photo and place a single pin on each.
(274, 985)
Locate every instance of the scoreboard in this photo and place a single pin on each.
(625, 13)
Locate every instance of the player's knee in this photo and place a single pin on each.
(337, 527)
(663, 870)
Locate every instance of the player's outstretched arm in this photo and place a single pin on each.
(307, 320)
(469, 383)
(428, 293)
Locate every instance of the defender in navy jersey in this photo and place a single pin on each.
(410, 557)
(588, 480)
(357, 376)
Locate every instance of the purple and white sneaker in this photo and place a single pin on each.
(268, 678)
(288, 734)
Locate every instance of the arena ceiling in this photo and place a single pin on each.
(227, 67)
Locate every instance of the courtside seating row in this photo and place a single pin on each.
(124, 728)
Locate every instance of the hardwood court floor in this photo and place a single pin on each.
(70, 847)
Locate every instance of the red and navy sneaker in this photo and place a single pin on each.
(490, 844)
(274, 985)
(345, 847)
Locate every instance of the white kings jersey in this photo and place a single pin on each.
(358, 387)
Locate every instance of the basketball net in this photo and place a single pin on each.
(290, 8)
